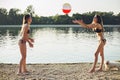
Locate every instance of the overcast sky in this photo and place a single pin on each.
(53, 7)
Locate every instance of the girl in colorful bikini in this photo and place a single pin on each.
(24, 34)
(97, 26)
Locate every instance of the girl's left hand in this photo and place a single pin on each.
(31, 45)
(78, 21)
(31, 40)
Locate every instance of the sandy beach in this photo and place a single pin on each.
(62, 71)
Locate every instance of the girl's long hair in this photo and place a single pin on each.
(25, 21)
(25, 18)
(99, 20)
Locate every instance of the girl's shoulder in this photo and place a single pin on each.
(25, 25)
(97, 25)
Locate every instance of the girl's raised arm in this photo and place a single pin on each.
(80, 22)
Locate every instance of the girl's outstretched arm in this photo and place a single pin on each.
(80, 22)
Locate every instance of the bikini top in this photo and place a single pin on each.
(28, 31)
(98, 30)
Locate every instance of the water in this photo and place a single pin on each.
(58, 44)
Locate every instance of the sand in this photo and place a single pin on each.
(62, 71)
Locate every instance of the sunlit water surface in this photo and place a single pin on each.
(58, 44)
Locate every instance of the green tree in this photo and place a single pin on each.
(30, 10)
(77, 16)
(3, 11)
(118, 14)
(13, 11)
(62, 19)
(3, 16)
(14, 17)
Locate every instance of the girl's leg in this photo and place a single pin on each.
(102, 56)
(96, 58)
(23, 59)
(95, 61)
(102, 59)
(20, 65)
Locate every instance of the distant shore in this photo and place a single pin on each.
(57, 25)
(56, 71)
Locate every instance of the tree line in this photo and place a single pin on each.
(14, 17)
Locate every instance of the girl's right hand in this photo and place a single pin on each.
(31, 45)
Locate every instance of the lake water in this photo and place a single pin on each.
(58, 44)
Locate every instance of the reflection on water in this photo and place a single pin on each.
(58, 44)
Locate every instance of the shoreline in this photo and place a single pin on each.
(56, 71)
(55, 25)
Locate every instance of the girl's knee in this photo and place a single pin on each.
(101, 54)
(24, 58)
(96, 54)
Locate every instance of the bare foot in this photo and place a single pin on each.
(19, 74)
(92, 70)
(99, 70)
(23, 73)
(26, 73)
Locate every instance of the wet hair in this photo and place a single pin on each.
(99, 20)
(25, 18)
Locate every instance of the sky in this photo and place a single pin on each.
(53, 7)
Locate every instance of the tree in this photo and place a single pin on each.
(77, 16)
(118, 18)
(62, 19)
(14, 16)
(30, 10)
(14, 11)
(3, 11)
(3, 16)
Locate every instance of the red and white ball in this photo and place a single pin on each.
(66, 8)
